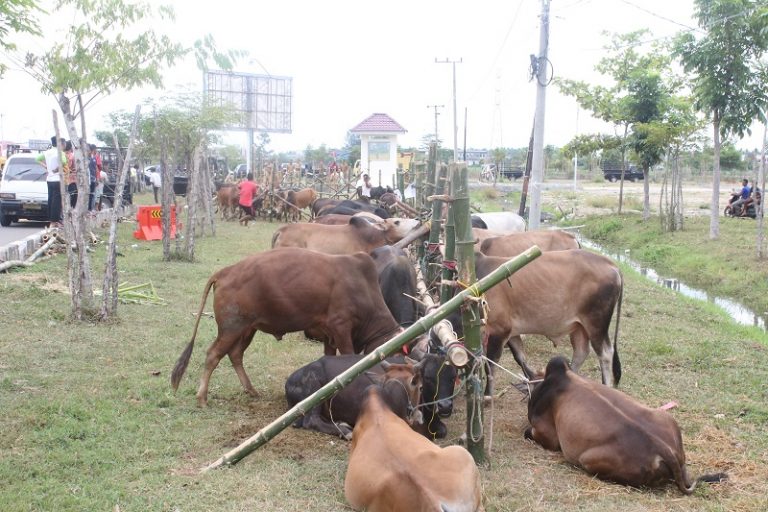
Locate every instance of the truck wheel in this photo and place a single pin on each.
(5, 220)
(612, 179)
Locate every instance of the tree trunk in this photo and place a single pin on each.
(111, 277)
(71, 263)
(678, 191)
(714, 222)
(192, 203)
(760, 235)
(623, 167)
(664, 202)
(165, 177)
(646, 194)
(84, 305)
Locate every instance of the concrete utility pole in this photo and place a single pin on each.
(437, 141)
(539, 68)
(455, 125)
(576, 156)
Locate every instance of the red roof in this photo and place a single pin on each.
(378, 123)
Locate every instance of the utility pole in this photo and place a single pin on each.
(576, 155)
(455, 125)
(539, 68)
(437, 141)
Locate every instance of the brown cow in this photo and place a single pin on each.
(340, 304)
(392, 468)
(227, 198)
(295, 201)
(358, 235)
(607, 433)
(559, 293)
(515, 243)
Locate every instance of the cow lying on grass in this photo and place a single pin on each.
(332, 298)
(337, 416)
(607, 433)
(392, 468)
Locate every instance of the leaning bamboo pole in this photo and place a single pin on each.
(473, 292)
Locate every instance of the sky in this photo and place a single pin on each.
(350, 59)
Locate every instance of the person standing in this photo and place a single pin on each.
(156, 181)
(248, 190)
(71, 173)
(52, 158)
(92, 177)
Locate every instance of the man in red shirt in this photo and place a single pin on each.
(248, 190)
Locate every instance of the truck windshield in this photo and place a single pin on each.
(24, 169)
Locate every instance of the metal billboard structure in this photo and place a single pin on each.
(263, 103)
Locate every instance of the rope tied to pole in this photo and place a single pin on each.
(450, 265)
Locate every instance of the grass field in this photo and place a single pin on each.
(90, 423)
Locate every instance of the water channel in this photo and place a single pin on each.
(740, 313)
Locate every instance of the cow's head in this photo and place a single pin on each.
(402, 385)
(397, 228)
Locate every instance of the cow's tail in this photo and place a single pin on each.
(275, 237)
(681, 477)
(183, 361)
(616, 364)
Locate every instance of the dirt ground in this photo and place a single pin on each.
(560, 193)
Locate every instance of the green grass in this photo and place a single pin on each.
(90, 423)
(726, 267)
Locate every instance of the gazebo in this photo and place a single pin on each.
(378, 151)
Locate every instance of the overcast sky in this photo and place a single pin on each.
(349, 60)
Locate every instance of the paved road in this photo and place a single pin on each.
(19, 230)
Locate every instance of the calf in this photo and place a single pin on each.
(358, 235)
(607, 433)
(295, 201)
(227, 198)
(337, 415)
(515, 243)
(282, 291)
(559, 293)
(391, 467)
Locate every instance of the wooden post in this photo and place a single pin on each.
(433, 257)
(449, 258)
(470, 315)
(264, 435)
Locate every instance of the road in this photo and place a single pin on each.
(19, 230)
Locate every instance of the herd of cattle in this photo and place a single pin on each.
(358, 293)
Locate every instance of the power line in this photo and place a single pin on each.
(656, 15)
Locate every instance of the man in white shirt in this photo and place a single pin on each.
(51, 159)
(156, 181)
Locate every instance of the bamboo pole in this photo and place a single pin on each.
(470, 315)
(449, 261)
(413, 235)
(433, 257)
(264, 435)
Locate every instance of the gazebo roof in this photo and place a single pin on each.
(378, 123)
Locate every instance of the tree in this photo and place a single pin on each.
(262, 153)
(108, 47)
(16, 17)
(728, 83)
(635, 99)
